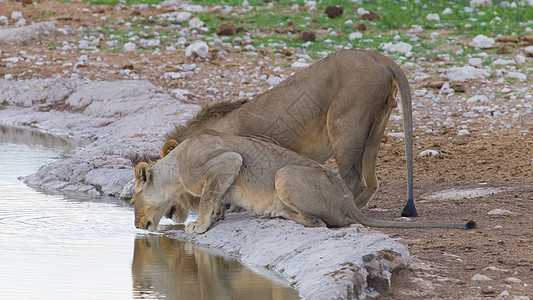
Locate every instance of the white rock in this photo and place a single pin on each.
(478, 98)
(245, 3)
(4, 20)
(505, 90)
(181, 93)
(182, 40)
(16, 15)
(513, 280)
(421, 92)
(298, 64)
(427, 153)
(478, 3)
(501, 61)
(480, 277)
(83, 58)
(520, 59)
(445, 89)
(463, 132)
(83, 44)
(482, 42)
(361, 11)
(20, 23)
(183, 16)
(475, 61)
(517, 75)
(400, 47)
(499, 212)
(447, 11)
(274, 80)
(146, 43)
(129, 46)
(193, 8)
(8, 77)
(465, 73)
(529, 50)
(349, 22)
(195, 23)
(504, 293)
(355, 35)
(198, 48)
(433, 17)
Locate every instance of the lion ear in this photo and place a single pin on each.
(142, 172)
(169, 146)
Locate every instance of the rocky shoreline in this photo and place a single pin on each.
(124, 123)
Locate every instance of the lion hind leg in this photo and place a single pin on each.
(369, 157)
(312, 197)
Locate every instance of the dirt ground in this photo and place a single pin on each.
(496, 156)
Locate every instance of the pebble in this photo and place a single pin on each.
(476, 62)
(16, 15)
(274, 80)
(513, 280)
(517, 75)
(195, 23)
(482, 42)
(428, 153)
(198, 48)
(479, 277)
(501, 61)
(298, 64)
(400, 47)
(129, 46)
(433, 17)
(463, 132)
(465, 73)
(499, 212)
(355, 35)
(447, 11)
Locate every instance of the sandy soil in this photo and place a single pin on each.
(496, 154)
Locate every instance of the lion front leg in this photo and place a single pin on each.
(221, 173)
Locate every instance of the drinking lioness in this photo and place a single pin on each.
(259, 176)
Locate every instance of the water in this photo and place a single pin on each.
(57, 247)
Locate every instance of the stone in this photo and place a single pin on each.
(447, 11)
(334, 11)
(400, 47)
(528, 51)
(195, 23)
(197, 49)
(499, 212)
(501, 61)
(25, 33)
(183, 16)
(479, 3)
(433, 17)
(462, 74)
(16, 15)
(513, 280)
(274, 80)
(307, 36)
(479, 277)
(428, 153)
(298, 64)
(463, 132)
(355, 35)
(227, 28)
(482, 42)
(128, 47)
(475, 61)
(517, 75)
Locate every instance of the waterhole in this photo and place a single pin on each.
(75, 247)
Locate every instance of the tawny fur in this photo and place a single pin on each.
(338, 107)
(261, 177)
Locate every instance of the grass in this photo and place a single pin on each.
(264, 20)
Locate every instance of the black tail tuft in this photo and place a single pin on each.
(409, 210)
(470, 225)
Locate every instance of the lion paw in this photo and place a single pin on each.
(194, 227)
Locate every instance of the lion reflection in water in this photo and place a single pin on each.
(179, 270)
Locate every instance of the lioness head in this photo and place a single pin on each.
(149, 201)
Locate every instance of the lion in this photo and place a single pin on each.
(259, 176)
(338, 107)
